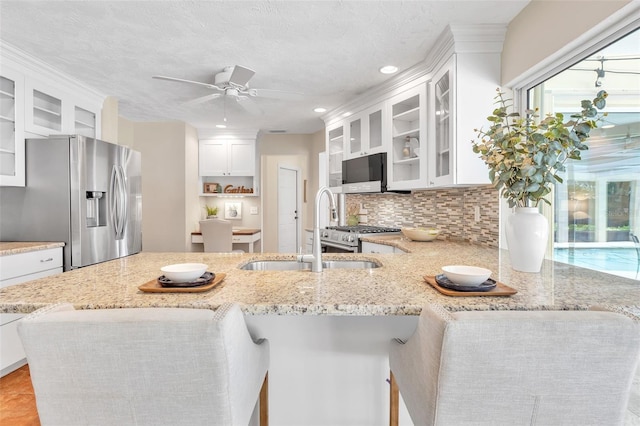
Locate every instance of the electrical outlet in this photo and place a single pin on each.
(476, 213)
(253, 210)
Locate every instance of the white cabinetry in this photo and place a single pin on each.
(308, 241)
(463, 89)
(229, 163)
(227, 158)
(12, 166)
(407, 156)
(366, 132)
(368, 247)
(52, 111)
(16, 269)
(335, 148)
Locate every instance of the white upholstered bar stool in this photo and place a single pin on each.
(146, 366)
(217, 235)
(515, 368)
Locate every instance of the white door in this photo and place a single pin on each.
(288, 210)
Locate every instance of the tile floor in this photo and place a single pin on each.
(17, 402)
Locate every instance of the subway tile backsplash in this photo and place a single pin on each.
(452, 211)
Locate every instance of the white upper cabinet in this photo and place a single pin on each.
(335, 136)
(424, 118)
(407, 161)
(231, 157)
(366, 132)
(463, 91)
(51, 111)
(12, 166)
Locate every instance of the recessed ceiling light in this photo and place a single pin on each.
(320, 109)
(388, 69)
(221, 126)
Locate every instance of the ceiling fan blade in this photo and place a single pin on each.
(249, 105)
(203, 99)
(180, 80)
(241, 75)
(277, 94)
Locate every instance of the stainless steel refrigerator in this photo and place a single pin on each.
(81, 191)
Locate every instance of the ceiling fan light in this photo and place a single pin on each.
(388, 69)
(320, 109)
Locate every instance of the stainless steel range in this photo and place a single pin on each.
(338, 239)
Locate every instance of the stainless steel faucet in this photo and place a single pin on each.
(315, 258)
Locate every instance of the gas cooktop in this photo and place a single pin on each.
(363, 229)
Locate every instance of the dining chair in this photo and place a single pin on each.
(145, 366)
(515, 367)
(217, 235)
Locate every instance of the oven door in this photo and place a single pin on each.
(332, 247)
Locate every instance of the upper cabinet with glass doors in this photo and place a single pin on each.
(462, 96)
(407, 168)
(335, 148)
(366, 132)
(51, 111)
(12, 166)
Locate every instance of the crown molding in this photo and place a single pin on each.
(33, 67)
(455, 39)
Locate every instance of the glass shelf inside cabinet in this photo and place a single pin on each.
(47, 111)
(336, 155)
(406, 139)
(7, 127)
(442, 124)
(85, 122)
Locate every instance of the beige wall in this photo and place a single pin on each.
(545, 26)
(295, 150)
(164, 199)
(109, 125)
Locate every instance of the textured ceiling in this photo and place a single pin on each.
(328, 50)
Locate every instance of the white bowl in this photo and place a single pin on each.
(420, 234)
(184, 272)
(466, 275)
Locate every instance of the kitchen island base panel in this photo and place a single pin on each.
(330, 370)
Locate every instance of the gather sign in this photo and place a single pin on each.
(230, 189)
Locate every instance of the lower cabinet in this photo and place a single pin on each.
(14, 270)
(368, 247)
(308, 241)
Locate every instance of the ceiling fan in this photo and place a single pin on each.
(233, 82)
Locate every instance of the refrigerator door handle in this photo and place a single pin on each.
(118, 210)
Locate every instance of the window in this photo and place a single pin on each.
(596, 209)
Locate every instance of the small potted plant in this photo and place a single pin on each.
(524, 157)
(212, 212)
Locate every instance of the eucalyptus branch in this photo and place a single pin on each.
(525, 156)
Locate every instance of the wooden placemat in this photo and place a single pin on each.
(499, 290)
(154, 286)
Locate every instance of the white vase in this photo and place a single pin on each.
(527, 232)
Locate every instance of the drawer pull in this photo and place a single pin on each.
(46, 260)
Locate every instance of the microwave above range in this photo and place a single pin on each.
(365, 174)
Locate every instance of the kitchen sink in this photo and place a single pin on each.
(293, 265)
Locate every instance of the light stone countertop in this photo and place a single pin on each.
(16, 247)
(396, 288)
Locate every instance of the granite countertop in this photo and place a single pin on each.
(17, 247)
(395, 288)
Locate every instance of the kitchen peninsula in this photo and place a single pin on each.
(395, 288)
(329, 332)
